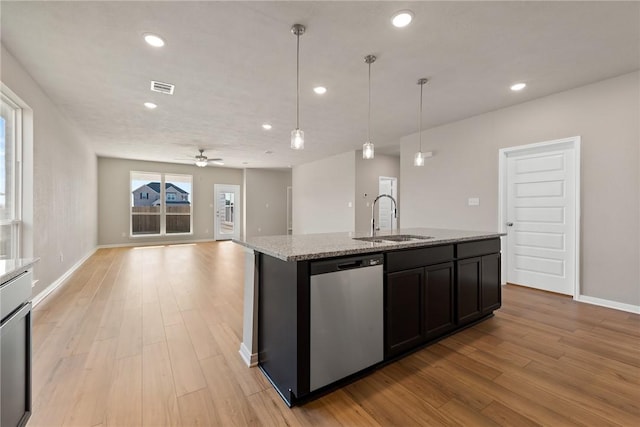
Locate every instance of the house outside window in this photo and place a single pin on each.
(160, 204)
(10, 177)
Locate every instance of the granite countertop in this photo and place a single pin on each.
(315, 246)
(10, 268)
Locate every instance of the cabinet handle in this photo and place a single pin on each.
(509, 224)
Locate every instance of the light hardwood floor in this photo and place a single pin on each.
(150, 336)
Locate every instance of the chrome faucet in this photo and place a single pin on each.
(373, 221)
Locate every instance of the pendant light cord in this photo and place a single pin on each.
(420, 118)
(369, 114)
(298, 82)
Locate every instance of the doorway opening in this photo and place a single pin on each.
(386, 219)
(227, 206)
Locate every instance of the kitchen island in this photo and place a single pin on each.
(331, 307)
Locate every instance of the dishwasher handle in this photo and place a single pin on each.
(346, 263)
(350, 265)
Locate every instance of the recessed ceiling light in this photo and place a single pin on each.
(402, 19)
(266, 126)
(153, 40)
(150, 105)
(518, 86)
(320, 90)
(245, 163)
(268, 152)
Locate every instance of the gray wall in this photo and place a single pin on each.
(368, 173)
(60, 181)
(605, 114)
(266, 202)
(322, 192)
(114, 198)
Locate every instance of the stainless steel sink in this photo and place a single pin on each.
(394, 238)
(369, 239)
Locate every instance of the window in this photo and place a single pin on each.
(10, 172)
(160, 204)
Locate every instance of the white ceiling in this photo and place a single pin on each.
(233, 64)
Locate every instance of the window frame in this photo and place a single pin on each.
(15, 222)
(163, 205)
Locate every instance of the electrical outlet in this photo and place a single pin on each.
(350, 205)
(61, 257)
(474, 201)
(124, 234)
(206, 231)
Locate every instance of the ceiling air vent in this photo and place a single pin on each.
(162, 87)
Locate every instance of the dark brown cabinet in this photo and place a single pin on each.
(478, 280)
(468, 289)
(439, 299)
(430, 292)
(419, 306)
(404, 325)
(491, 283)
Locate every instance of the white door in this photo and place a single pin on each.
(541, 218)
(387, 185)
(227, 207)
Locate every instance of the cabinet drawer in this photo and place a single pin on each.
(481, 247)
(414, 258)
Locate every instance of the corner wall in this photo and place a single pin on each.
(60, 199)
(266, 202)
(322, 193)
(114, 198)
(605, 115)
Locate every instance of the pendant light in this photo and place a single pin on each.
(367, 147)
(297, 135)
(418, 160)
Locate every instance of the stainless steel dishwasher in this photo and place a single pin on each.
(346, 317)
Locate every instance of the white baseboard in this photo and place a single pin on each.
(609, 304)
(52, 287)
(134, 244)
(251, 359)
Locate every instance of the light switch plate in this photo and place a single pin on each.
(474, 201)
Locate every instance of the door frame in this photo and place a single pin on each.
(572, 143)
(237, 209)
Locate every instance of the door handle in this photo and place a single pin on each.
(509, 224)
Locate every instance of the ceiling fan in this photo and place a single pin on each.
(202, 161)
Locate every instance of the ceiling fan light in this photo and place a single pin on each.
(297, 139)
(201, 163)
(368, 150)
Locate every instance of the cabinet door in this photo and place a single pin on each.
(468, 289)
(439, 306)
(491, 287)
(404, 325)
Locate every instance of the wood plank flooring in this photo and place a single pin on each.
(150, 336)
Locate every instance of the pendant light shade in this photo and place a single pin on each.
(368, 150)
(297, 139)
(297, 135)
(418, 159)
